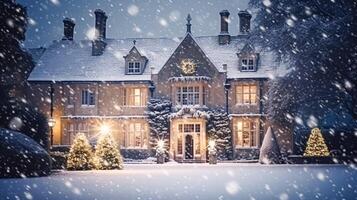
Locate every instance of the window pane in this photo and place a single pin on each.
(246, 88)
(197, 144)
(253, 98)
(91, 99)
(253, 89)
(179, 144)
(198, 128)
(246, 98)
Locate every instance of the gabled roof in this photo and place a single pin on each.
(72, 61)
(134, 50)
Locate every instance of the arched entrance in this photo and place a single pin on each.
(188, 147)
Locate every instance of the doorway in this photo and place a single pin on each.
(188, 147)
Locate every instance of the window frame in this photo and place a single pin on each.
(134, 129)
(240, 94)
(134, 67)
(252, 130)
(248, 67)
(88, 98)
(130, 98)
(189, 95)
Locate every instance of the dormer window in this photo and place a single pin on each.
(134, 68)
(247, 59)
(248, 64)
(135, 62)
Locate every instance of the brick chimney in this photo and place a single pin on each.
(224, 37)
(244, 21)
(98, 44)
(68, 29)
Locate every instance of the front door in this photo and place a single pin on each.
(188, 147)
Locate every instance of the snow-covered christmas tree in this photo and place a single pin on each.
(107, 154)
(316, 145)
(158, 118)
(219, 131)
(270, 151)
(80, 156)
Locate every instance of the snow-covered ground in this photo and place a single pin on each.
(191, 181)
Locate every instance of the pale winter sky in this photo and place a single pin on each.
(128, 18)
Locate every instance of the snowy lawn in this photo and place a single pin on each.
(191, 181)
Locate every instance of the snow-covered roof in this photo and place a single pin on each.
(73, 61)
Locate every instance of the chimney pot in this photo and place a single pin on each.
(98, 44)
(224, 37)
(68, 29)
(244, 21)
(100, 23)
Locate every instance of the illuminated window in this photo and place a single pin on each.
(135, 97)
(247, 131)
(136, 136)
(246, 94)
(188, 95)
(247, 64)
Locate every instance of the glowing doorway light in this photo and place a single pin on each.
(104, 129)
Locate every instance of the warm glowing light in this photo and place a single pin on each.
(212, 143)
(51, 122)
(160, 144)
(104, 128)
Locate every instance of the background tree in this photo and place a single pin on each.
(317, 40)
(15, 65)
(80, 155)
(107, 154)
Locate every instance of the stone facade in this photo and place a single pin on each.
(189, 78)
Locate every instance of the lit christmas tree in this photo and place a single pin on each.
(107, 154)
(80, 156)
(316, 145)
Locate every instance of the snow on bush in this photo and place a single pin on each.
(107, 154)
(269, 152)
(218, 129)
(21, 156)
(158, 118)
(80, 156)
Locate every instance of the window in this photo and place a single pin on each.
(247, 64)
(88, 98)
(135, 136)
(70, 97)
(70, 132)
(246, 94)
(134, 97)
(247, 131)
(134, 68)
(188, 95)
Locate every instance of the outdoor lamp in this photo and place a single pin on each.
(51, 122)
